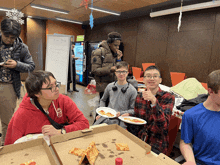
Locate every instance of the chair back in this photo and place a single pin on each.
(205, 85)
(136, 72)
(172, 132)
(177, 77)
(146, 65)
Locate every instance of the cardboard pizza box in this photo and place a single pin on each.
(36, 150)
(105, 138)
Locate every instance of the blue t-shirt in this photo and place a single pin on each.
(201, 127)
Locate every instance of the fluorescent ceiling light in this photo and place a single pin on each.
(197, 6)
(4, 9)
(68, 20)
(104, 10)
(49, 9)
(29, 16)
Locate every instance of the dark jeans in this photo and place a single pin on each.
(74, 76)
(106, 103)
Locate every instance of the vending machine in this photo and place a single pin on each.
(83, 51)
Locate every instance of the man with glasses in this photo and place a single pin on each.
(155, 106)
(121, 96)
(44, 110)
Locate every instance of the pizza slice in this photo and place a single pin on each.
(102, 112)
(90, 153)
(122, 147)
(31, 162)
(137, 121)
(76, 151)
(109, 114)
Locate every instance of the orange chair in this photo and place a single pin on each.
(177, 77)
(205, 85)
(146, 65)
(172, 132)
(137, 74)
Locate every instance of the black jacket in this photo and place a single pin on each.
(24, 61)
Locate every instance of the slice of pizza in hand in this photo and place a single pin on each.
(29, 163)
(122, 147)
(76, 151)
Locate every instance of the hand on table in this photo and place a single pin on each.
(10, 64)
(50, 130)
(147, 95)
(97, 117)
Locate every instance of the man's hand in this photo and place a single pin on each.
(50, 130)
(73, 56)
(118, 114)
(119, 54)
(125, 114)
(147, 95)
(97, 117)
(10, 64)
(189, 163)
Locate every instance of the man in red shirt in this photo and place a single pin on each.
(155, 106)
(44, 110)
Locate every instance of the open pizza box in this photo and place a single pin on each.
(105, 138)
(36, 150)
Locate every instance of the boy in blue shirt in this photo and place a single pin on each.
(200, 131)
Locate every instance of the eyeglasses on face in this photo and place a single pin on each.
(53, 89)
(123, 72)
(150, 77)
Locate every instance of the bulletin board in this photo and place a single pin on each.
(57, 56)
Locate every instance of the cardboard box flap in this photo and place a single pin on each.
(36, 150)
(167, 160)
(105, 128)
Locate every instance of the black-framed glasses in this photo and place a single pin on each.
(150, 77)
(58, 84)
(123, 72)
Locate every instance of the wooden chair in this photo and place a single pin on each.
(137, 74)
(146, 65)
(205, 85)
(172, 132)
(177, 77)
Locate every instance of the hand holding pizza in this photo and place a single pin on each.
(50, 130)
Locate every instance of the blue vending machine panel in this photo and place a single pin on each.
(79, 52)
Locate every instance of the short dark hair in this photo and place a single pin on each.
(113, 36)
(151, 68)
(10, 27)
(213, 81)
(121, 64)
(35, 81)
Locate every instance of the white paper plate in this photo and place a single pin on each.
(130, 122)
(106, 110)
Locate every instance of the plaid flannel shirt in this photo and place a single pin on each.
(155, 132)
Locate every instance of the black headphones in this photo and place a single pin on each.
(115, 88)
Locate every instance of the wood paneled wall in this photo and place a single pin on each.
(195, 50)
(63, 28)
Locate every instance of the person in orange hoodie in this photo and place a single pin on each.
(44, 110)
